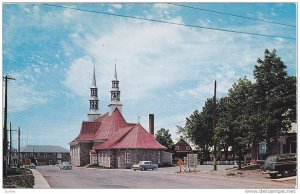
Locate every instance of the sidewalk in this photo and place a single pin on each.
(39, 181)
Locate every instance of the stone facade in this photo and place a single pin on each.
(80, 153)
(116, 158)
(84, 153)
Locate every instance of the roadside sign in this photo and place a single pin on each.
(192, 162)
(27, 161)
(179, 162)
(185, 163)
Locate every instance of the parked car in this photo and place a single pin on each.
(144, 165)
(284, 164)
(65, 166)
(32, 166)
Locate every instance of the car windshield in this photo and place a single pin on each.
(271, 159)
(65, 163)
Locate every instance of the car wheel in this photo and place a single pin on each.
(285, 173)
(273, 176)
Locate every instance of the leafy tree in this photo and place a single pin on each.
(275, 98)
(164, 138)
(199, 128)
(233, 127)
(222, 132)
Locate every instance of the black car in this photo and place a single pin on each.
(284, 164)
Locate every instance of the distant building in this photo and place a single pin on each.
(45, 154)
(110, 141)
(286, 143)
(182, 148)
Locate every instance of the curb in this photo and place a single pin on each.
(284, 179)
(39, 181)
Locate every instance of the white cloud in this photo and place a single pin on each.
(25, 91)
(110, 10)
(151, 57)
(79, 76)
(117, 6)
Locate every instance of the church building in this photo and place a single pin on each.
(108, 140)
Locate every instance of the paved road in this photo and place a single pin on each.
(163, 178)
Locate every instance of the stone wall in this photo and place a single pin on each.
(106, 158)
(85, 153)
(136, 155)
(116, 158)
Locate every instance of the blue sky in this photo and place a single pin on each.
(163, 69)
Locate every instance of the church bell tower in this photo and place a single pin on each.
(93, 113)
(115, 101)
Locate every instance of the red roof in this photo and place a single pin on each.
(131, 137)
(110, 124)
(88, 130)
(103, 127)
(117, 137)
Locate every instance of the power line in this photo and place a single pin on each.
(229, 14)
(168, 22)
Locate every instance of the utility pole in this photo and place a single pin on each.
(6, 78)
(10, 142)
(19, 135)
(214, 126)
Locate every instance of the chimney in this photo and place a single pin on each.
(151, 124)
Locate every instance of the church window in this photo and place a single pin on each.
(127, 153)
(45, 155)
(176, 147)
(158, 157)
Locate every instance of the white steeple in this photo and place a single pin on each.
(115, 95)
(94, 79)
(93, 113)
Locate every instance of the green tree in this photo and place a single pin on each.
(275, 98)
(164, 138)
(222, 132)
(198, 128)
(233, 127)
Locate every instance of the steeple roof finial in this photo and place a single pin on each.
(115, 75)
(94, 78)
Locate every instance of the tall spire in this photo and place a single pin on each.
(115, 75)
(94, 102)
(115, 101)
(94, 78)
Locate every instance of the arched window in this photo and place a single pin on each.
(127, 153)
